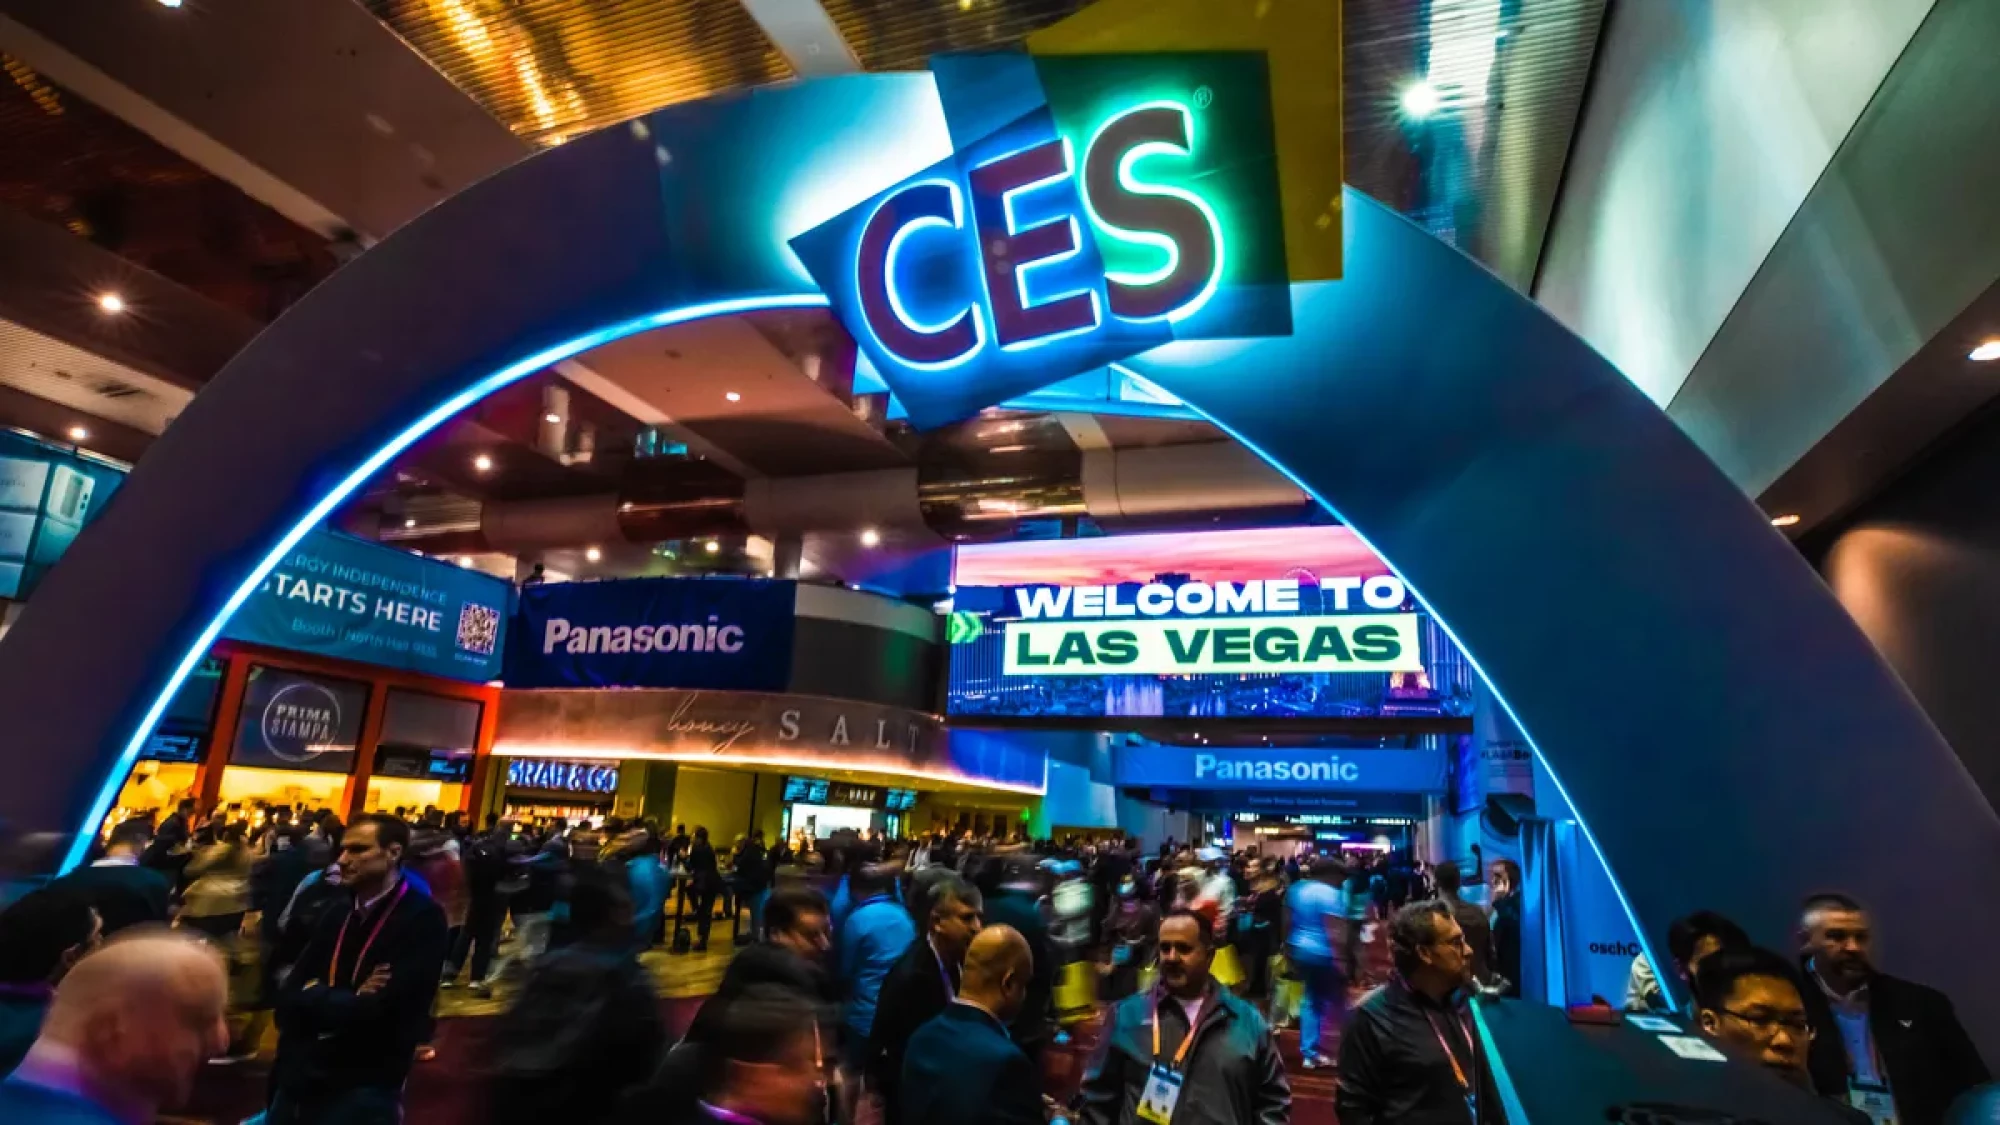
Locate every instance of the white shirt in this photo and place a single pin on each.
(117, 861)
(364, 907)
(1851, 1013)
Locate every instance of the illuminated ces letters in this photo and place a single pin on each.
(1009, 255)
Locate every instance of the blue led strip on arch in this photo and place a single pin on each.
(376, 462)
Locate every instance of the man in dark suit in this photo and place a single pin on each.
(124, 892)
(1880, 1043)
(356, 1005)
(963, 1068)
(921, 984)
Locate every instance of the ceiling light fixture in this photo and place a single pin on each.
(1789, 519)
(1009, 448)
(111, 302)
(870, 537)
(78, 433)
(733, 396)
(552, 418)
(170, 3)
(593, 554)
(1986, 352)
(409, 521)
(712, 546)
(483, 463)
(1420, 99)
(465, 560)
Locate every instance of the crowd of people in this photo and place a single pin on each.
(926, 981)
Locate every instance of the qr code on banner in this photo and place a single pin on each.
(478, 629)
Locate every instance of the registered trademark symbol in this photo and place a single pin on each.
(1203, 97)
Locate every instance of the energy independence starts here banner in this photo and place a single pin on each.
(351, 600)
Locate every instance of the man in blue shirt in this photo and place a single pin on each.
(873, 938)
(1316, 917)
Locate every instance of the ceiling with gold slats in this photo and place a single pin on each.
(551, 69)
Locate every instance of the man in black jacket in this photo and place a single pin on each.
(962, 1068)
(1881, 1043)
(1408, 1053)
(124, 892)
(1192, 1050)
(357, 1003)
(921, 983)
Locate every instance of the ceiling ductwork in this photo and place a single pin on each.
(1160, 487)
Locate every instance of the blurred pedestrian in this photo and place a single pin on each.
(704, 881)
(1471, 919)
(1315, 934)
(41, 938)
(1505, 879)
(586, 1027)
(218, 893)
(762, 1066)
(125, 892)
(876, 936)
(125, 1037)
(792, 956)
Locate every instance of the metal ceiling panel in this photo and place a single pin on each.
(904, 34)
(48, 368)
(552, 69)
(70, 164)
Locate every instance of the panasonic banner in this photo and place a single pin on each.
(1309, 768)
(712, 633)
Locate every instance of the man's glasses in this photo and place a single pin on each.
(1768, 1022)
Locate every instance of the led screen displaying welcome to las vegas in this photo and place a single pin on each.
(1265, 622)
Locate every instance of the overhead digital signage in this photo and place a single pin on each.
(338, 596)
(1093, 208)
(1287, 621)
(724, 633)
(297, 722)
(47, 494)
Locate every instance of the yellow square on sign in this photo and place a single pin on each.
(1301, 40)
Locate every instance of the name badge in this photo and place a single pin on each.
(1121, 953)
(1873, 1100)
(1162, 1092)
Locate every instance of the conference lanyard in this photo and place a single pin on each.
(1188, 1041)
(333, 970)
(944, 974)
(1457, 1071)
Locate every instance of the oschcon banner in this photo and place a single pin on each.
(720, 633)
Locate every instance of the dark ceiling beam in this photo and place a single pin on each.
(22, 411)
(1896, 240)
(51, 281)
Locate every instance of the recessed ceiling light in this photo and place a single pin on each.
(1987, 351)
(465, 560)
(111, 302)
(733, 396)
(870, 537)
(711, 546)
(483, 463)
(593, 554)
(409, 521)
(170, 3)
(1789, 519)
(552, 418)
(78, 433)
(1420, 100)
(1009, 448)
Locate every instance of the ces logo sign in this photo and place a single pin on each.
(1094, 208)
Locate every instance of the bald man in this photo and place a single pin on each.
(962, 1068)
(130, 1028)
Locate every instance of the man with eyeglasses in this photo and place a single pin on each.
(1750, 1001)
(1409, 1054)
(1890, 1047)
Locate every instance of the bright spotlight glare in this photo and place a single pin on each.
(1421, 99)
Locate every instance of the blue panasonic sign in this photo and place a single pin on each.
(727, 634)
(1377, 771)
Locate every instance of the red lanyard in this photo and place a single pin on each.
(333, 970)
(1457, 1071)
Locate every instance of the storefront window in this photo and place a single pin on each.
(425, 754)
